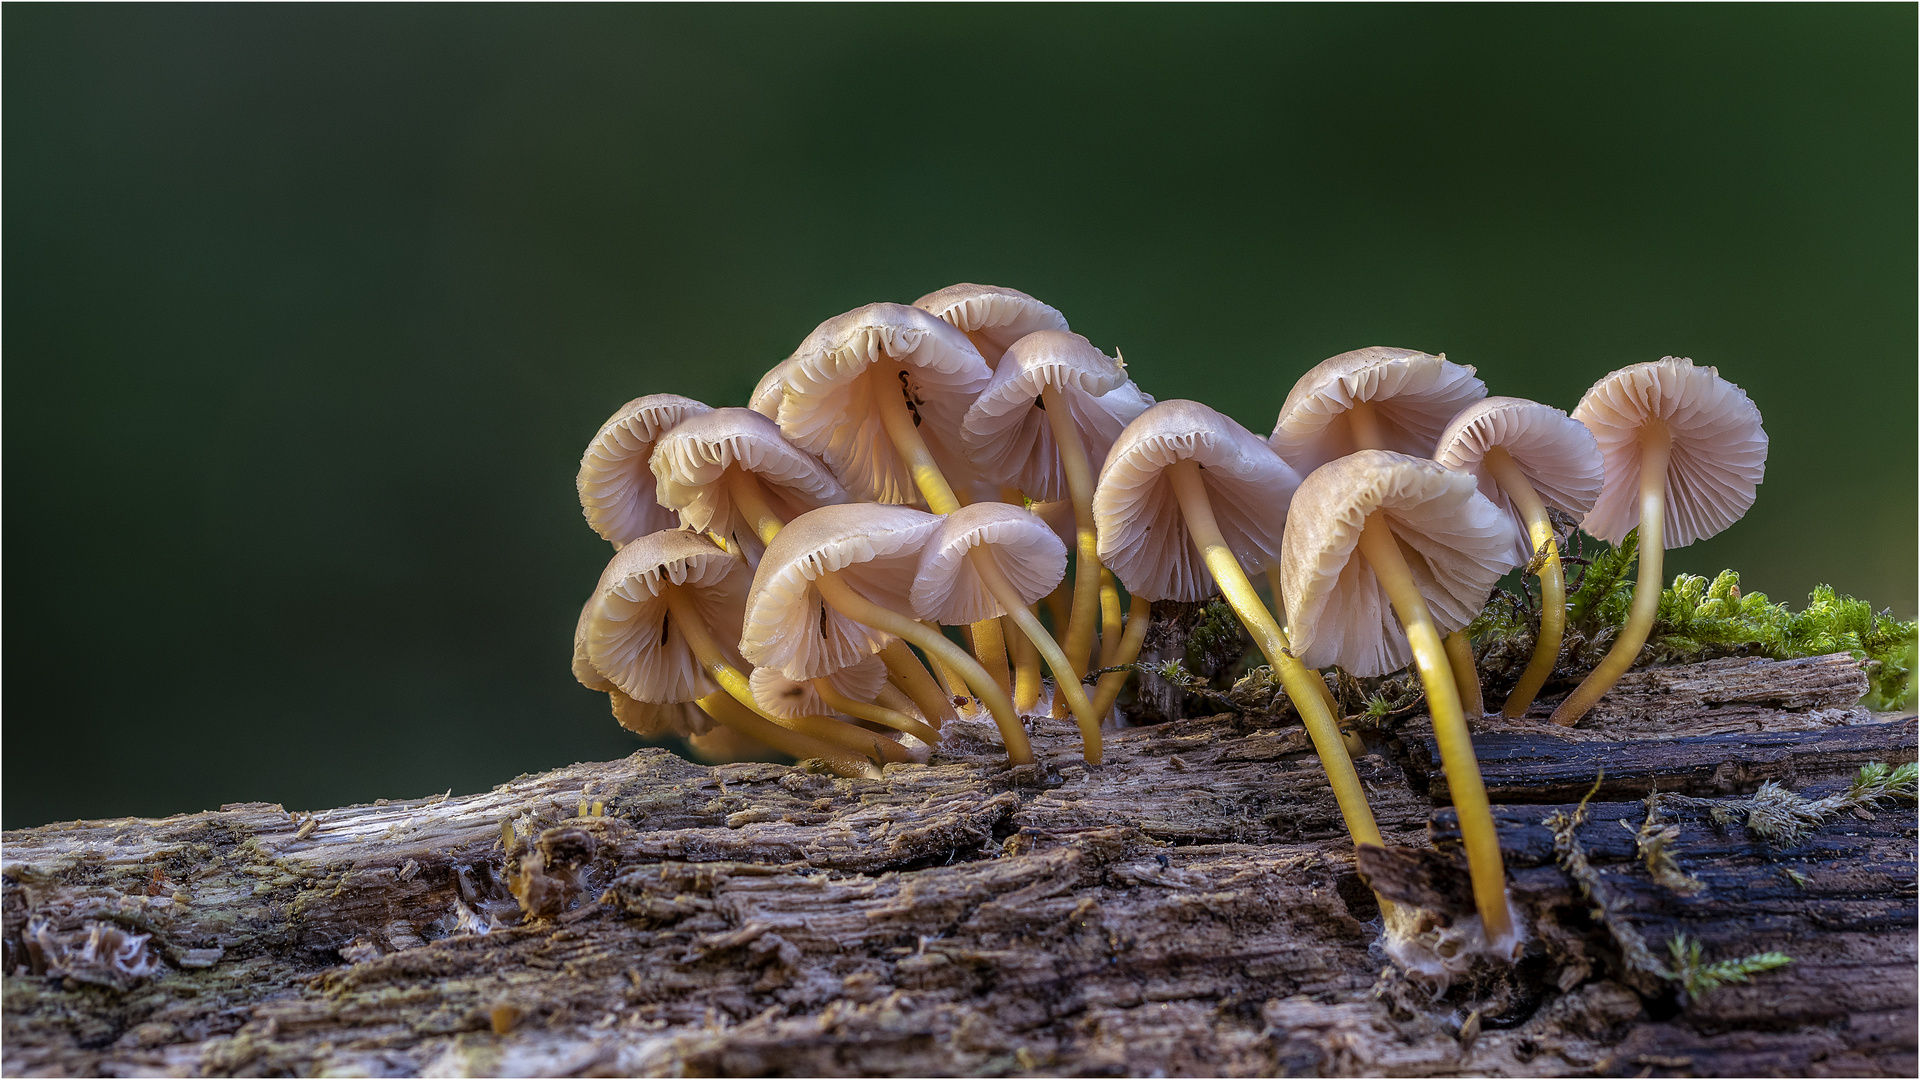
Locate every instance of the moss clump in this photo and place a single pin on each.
(1697, 978)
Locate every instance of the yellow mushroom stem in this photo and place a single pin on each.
(1656, 447)
(931, 641)
(1466, 673)
(912, 677)
(1065, 681)
(1026, 669)
(903, 430)
(693, 627)
(1107, 691)
(1553, 582)
(1382, 552)
(1109, 618)
(1078, 642)
(737, 718)
(1297, 678)
(873, 713)
(1060, 605)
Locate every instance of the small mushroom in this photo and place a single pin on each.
(989, 560)
(1527, 457)
(662, 609)
(834, 588)
(992, 317)
(1376, 398)
(1187, 498)
(616, 489)
(702, 462)
(1685, 455)
(1053, 408)
(648, 719)
(852, 691)
(1378, 534)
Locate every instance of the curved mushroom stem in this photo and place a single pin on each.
(877, 714)
(1109, 618)
(1078, 643)
(990, 648)
(1466, 673)
(935, 644)
(737, 717)
(1382, 552)
(1107, 691)
(1553, 583)
(1026, 669)
(705, 649)
(1065, 682)
(913, 678)
(1298, 679)
(1656, 446)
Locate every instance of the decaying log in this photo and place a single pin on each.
(1189, 907)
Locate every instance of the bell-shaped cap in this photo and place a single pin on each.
(1719, 451)
(826, 400)
(630, 638)
(1555, 452)
(872, 547)
(948, 589)
(616, 488)
(992, 317)
(1007, 433)
(690, 463)
(1143, 537)
(790, 699)
(1413, 395)
(1456, 543)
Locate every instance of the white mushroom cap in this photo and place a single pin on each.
(1414, 394)
(1719, 450)
(947, 589)
(826, 405)
(690, 463)
(1456, 543)
(657, 720)
(873, 547)
(991, 316)
(1143, 537)
(629, 637)
(1007, 432)
(1556, 453)
(616, 489)
(792, 698)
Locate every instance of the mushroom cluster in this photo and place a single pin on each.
(801, 574)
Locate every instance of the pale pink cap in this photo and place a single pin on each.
(1413, 393)
(1007, 433)
(691, 460)
(616, 488)
(1555, 452)
(947, 589)
(1719, 451)
(792, 698)
(1456, 543)
(873, 547)
(630, 640)
(991, 316)
(1143, 537)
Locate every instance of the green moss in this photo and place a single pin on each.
(1697, 978)
(1603, 590)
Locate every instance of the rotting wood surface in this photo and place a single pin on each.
(1190, 907)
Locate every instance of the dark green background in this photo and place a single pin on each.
(309, 312)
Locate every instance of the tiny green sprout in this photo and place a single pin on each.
(1378, 708)
(1697, 978)
(1796, 877)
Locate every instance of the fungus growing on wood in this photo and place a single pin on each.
(701, 463)
(1186, 499)
(1684, 455)
(834, 588)
(1376, 535)
(853, 691)
(1527, 457)
(991, 316)
(616, 488)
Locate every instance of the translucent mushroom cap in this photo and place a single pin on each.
(992, 317)
(1456, 543)
(1719, 450)
(1007, 433)
(691, 460)
(1557, 454)
(616, 488)
(948, 589)
(792, 698)
(873, 547)
(1143, 537)
(1414, 394)
(630, 638)
(825, 403)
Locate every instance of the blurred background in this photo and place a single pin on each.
(310, 311)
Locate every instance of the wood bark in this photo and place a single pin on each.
(1190, 907)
